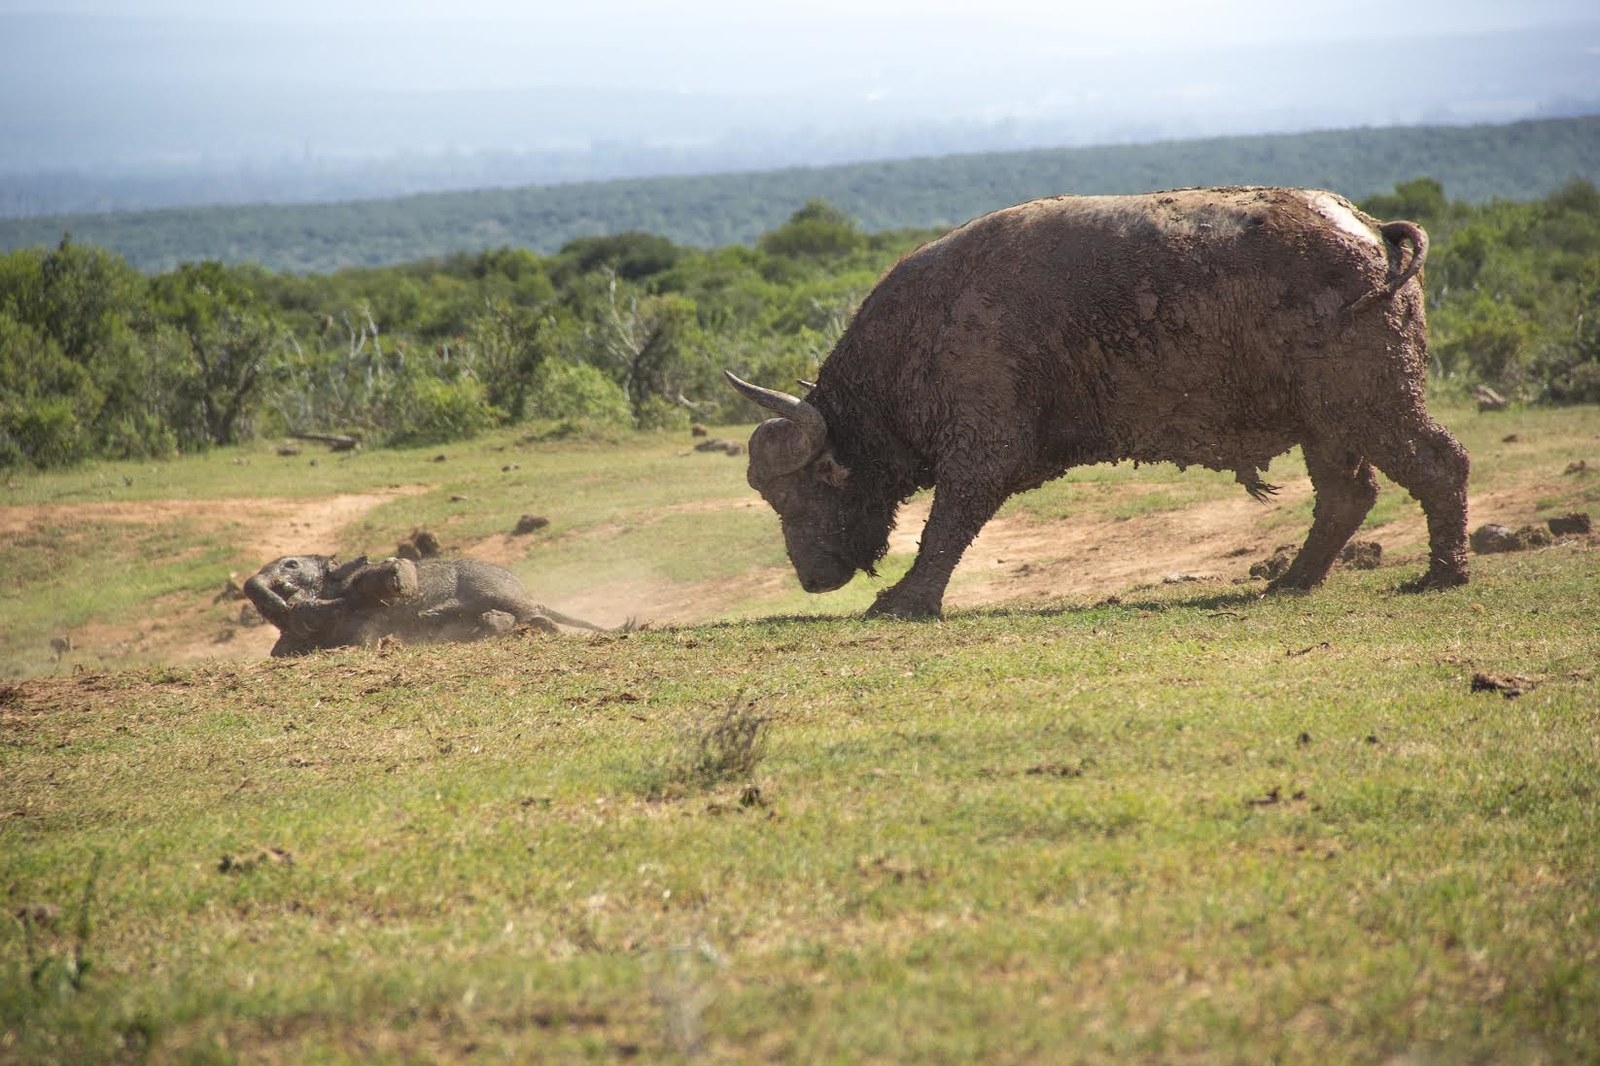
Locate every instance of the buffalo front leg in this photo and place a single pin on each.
(954, 520)
(1345, 489)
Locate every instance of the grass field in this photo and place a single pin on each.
(1147, 821)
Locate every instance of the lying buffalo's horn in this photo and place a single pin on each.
(792, 446)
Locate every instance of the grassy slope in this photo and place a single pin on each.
(1189, 825)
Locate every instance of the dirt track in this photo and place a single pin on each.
(1013, 560)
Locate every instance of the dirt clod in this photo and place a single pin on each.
(421, 544)
(1275, 565)
(529, 523)
(1576, 522)
(38, 914)
(1362, 555)
(1492, 538)
(1508, 685)
(267, 856)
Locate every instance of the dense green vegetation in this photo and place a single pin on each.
(97, 359)
(1517, 161)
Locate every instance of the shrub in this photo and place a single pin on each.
(424, 409)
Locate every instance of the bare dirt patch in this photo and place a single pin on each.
(181, 628)
(1014, 560)
(270, 526)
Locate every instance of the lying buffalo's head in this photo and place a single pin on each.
(831, 524)
(282, 581)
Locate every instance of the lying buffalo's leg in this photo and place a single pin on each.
(958, 513)
(1428, 462)
(1345, 489)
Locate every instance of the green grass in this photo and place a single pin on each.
(1191, 825)
(1172, 828)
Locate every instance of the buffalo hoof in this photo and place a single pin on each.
(889, 606)
(1435, 580)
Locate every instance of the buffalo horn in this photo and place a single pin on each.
(807, 433)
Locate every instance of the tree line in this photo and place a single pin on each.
(99, 360)
(1508, 161)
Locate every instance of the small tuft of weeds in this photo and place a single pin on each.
(48, 973)
(683, 985)
(726, 749)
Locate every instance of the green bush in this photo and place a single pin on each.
(42, 433)
(577, 392)
(424, 409)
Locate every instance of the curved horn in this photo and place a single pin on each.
(796, 410)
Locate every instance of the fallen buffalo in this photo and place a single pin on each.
(318, 602)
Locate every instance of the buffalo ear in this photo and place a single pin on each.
(343, 572)
(832, 472)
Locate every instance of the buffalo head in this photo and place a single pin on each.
(295, 577)
(830, 528)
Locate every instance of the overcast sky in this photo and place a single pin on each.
(75, 73)
(714, 45)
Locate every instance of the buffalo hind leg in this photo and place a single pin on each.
(953, 521)
(1430, 464)
(1345, 489)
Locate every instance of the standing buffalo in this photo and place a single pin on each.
(1217, 327)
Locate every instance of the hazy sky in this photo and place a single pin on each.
(1170, 22)
(158, 71)
(714, 45)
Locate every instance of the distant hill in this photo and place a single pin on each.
(1518, 161)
